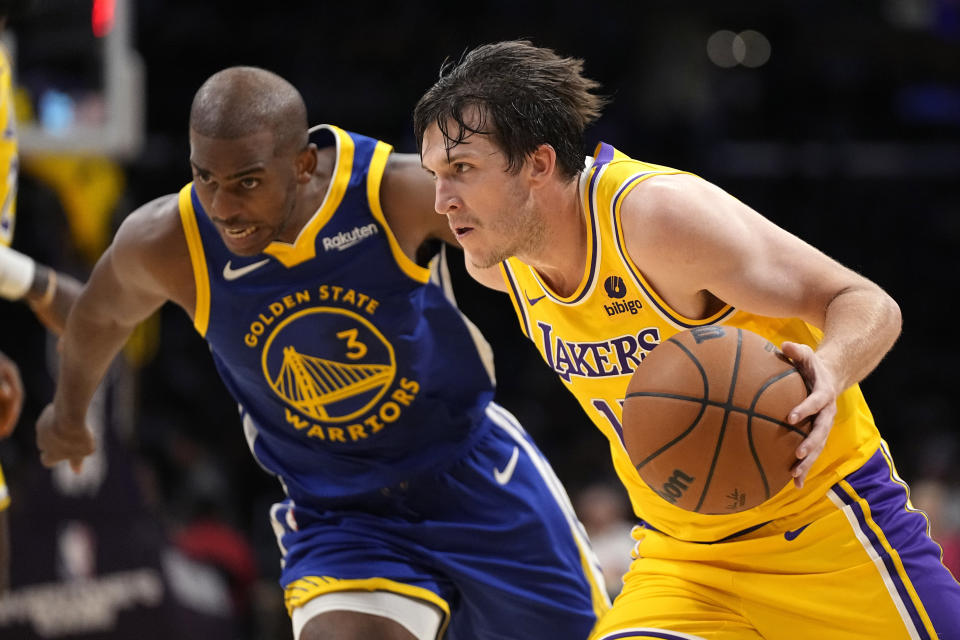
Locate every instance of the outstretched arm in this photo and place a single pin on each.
(136, 274)
(699, 246)
(48, 292)
(51, 297)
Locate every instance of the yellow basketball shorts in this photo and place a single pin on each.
(858, 565)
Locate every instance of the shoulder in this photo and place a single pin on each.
(150, 247)
(667, 191)
(404, 172)
(406, 186)
(664, 205)
(152, 225)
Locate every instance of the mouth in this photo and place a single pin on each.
(241, 239)
(460, 231)
(238, 233)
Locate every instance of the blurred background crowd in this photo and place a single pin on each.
(838, 121)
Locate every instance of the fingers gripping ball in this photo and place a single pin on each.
(705, 419)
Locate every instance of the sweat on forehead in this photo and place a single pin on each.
(241, 101)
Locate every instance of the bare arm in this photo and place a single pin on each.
(407, 196)
(141, 269)
(700, 247)
(49, 293)
(51, 297)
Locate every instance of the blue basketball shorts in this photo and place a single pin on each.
(491, 540)
(859, 564)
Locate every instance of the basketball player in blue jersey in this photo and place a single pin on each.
(603, 260)
(416, 507)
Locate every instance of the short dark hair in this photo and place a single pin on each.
(524, 96)
(241, 101)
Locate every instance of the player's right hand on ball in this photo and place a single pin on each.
(59, 440)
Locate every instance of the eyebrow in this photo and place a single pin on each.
(456, 157)
(239, 174)
(453, 157)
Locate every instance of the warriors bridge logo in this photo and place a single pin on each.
(335, 386)
(334, 370)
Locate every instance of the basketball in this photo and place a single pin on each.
(705, 419)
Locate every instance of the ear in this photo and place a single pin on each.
(542, 163)
(306, 163)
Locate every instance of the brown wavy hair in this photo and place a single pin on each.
(520, 95)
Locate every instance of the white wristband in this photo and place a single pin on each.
(16, 273)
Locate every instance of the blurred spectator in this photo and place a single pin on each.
(941, 503)
(210, 539)
(605, 513)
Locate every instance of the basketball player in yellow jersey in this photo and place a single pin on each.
(605, 261)
(50, 297)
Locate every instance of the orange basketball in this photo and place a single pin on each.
(705, 419)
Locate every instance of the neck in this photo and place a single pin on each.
(561, 255)
(310, 196)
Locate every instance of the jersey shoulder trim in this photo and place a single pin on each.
(201, 277)
(514, 291)
(378, 164)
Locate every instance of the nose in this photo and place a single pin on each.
(446, 201)
(224, 206)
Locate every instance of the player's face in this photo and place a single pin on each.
(247, 190)
(489, 209)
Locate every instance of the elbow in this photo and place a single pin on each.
(893, 315)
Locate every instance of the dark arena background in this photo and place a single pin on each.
(838, 121)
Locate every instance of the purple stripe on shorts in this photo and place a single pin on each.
(906, 532)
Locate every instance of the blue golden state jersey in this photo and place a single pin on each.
(353, 371)
(595, 338)
(9, 163)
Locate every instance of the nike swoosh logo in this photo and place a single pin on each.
(503, 476)
(533, 301)
(229, 273)
(792, 535)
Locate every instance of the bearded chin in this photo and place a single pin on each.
(488, 260)
(496, 255)
(523, 230)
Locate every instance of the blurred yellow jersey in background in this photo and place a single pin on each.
(9, 163)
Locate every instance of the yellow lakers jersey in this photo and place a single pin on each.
(8, 151)
(595, 338)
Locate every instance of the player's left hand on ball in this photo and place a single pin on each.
(820, 403)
